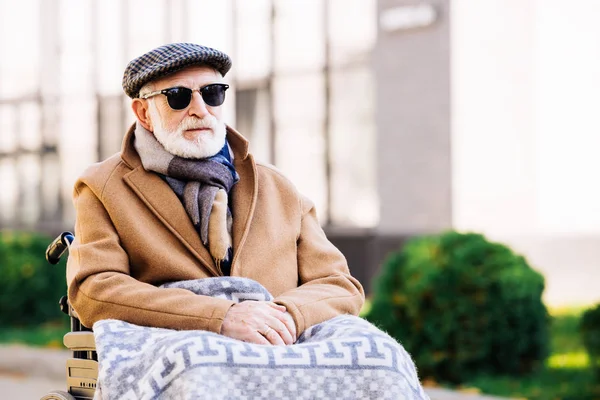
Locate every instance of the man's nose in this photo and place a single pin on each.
(197, 106)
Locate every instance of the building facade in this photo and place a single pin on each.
(397, 117)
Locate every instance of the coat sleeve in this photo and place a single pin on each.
(326, 288)
(100, 285)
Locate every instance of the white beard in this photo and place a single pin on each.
(207, 144)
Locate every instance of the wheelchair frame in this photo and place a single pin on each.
(82, 368)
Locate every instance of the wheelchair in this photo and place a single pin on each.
(82, 367)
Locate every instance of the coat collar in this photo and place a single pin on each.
(164, 204)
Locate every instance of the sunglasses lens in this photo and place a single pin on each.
(214, 95)
(179, 97)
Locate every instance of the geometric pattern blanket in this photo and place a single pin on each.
(343, 358)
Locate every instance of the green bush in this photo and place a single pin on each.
(590, 330)
(462, 305)
(31, 287)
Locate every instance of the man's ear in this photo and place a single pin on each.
(140, 109)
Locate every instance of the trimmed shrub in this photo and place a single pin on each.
(590, 330)
(31, 287)
(462, 305)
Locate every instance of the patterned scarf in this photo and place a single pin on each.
(202, 186)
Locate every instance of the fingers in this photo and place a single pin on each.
(287, 319)
(276, 306)
(259, 322)
(240, 329)
(272, 336)
(289, 322)
(282, 330)
(256, 338)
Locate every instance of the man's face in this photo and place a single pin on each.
(197, 131)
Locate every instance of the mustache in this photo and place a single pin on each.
(209, 121)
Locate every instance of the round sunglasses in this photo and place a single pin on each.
(180, 97)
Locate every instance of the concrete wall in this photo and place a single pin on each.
(414, 177)
(412, 68)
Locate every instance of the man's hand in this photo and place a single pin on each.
(260, 322)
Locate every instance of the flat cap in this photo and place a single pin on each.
(165, 60)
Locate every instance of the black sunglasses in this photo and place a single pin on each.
(180, 97)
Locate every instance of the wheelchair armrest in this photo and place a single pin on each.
(80, 341)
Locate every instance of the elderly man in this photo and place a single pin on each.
(183, 200)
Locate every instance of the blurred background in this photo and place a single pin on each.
(396, 117)
(399, 118)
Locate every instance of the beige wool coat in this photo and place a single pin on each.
(133, 234)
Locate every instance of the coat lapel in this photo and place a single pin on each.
(162, 201)
(244, 193)
(243, 202)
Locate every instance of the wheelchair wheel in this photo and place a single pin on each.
(58, 395)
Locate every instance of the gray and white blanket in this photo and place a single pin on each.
(343, 358)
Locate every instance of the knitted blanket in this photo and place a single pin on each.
(343, 358)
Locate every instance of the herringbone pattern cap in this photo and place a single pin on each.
(167, 59)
